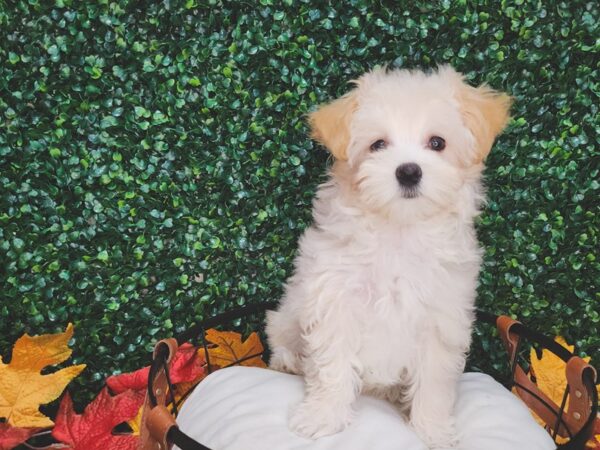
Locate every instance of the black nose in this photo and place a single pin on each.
(409, 174)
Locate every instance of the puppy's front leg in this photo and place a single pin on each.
(332, 379)
(434, 393)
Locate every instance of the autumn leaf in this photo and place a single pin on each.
(187, 366)
(92, 430)
(129, 381)
(136, 423)
(228, 349)
(10, 437)
(23, 388)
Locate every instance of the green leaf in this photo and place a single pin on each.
(13, 58)
(108, 121)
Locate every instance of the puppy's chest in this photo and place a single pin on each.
(404, 264)
(404, 278)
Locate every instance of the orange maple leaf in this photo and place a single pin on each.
(23, 388)
(228, 349)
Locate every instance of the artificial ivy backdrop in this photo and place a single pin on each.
(155, 166)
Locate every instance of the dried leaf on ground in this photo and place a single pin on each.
(10, 437)
(228, 349)
(23, 388)
(93, 430)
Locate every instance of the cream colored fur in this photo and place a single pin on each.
(382, 297)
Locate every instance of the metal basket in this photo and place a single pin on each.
(573, 420)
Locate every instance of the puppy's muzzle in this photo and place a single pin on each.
(409, 174)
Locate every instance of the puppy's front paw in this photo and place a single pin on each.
(313, 421)
(437, 436)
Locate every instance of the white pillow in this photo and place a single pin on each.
(246, 408)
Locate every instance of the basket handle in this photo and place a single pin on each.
(579, 396)
(566, 423)
(157, 420)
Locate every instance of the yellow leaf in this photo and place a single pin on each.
(23, 389)
(229, 349)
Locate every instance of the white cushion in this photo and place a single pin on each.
(247, 408)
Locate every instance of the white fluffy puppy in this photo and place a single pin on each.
(382, 297)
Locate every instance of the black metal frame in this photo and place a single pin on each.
(577, 441)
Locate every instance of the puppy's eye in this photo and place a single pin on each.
(379, 144)
(436, 143)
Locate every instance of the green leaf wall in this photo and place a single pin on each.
(155, 165)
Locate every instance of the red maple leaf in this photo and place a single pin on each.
(92, 430)
(10, 437)
(133, 380)
(185, 367)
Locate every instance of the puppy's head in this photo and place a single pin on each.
(410, 142)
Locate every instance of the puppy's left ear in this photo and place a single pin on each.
(330, 124)
(486, 113)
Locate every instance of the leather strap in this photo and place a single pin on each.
(157, 421)
(579, 398)
(505, 325)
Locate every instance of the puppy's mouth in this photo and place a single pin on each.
(410, 192)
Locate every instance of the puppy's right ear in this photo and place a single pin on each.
(330, 124)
